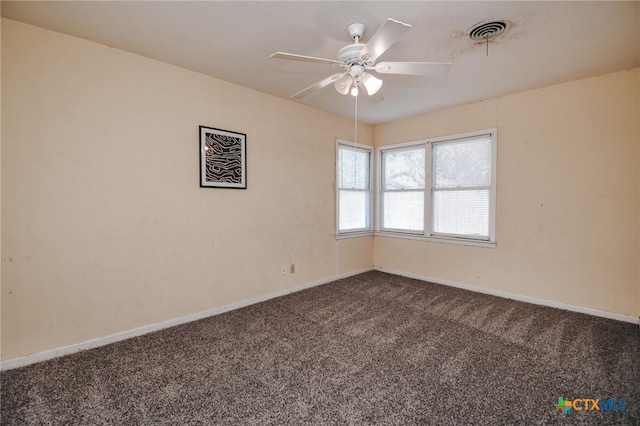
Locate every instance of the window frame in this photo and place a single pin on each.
(369, 230)
(427, 233)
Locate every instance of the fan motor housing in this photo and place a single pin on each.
(350, 54)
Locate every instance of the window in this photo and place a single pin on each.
(402, 194)
(354, 187)
(440, 188)
(461, 187)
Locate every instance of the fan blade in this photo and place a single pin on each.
(319, 85)
(294, 57)
(384, 38)
(433, 69)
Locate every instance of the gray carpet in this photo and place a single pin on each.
(370, 349)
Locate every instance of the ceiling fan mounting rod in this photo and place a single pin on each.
(356, 30)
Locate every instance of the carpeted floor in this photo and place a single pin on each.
(370, 349)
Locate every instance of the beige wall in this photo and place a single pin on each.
(568, 195)
(104, 226)
(1, 257)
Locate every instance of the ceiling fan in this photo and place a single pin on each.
(359, 61)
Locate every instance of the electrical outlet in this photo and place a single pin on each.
(292, 268)
(283, 269)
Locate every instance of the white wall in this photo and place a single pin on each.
(105, 227)
(568, 195)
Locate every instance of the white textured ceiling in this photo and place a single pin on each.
(548, 43)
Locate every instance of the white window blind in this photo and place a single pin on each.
(461, 187)
(403, 179)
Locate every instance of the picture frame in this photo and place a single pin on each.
(223, 158)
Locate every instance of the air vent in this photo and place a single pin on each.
(485, 30)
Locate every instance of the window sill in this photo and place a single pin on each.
(459, 241)
(354, 234)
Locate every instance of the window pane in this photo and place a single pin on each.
(353, 171)
(404, 210)
(461, 212)
(354, 207)
(404, 169)
(462, 164)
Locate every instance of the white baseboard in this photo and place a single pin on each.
(105, 340)
(518, 297)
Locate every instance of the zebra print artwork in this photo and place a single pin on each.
(222, 158)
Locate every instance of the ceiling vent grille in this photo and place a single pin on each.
(485, 30)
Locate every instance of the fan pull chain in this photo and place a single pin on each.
(355, 143)
(355, 137)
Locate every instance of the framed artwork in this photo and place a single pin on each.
(223, 159)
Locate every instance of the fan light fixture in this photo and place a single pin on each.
(343, 84)
(356, 76)
(371, 83)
